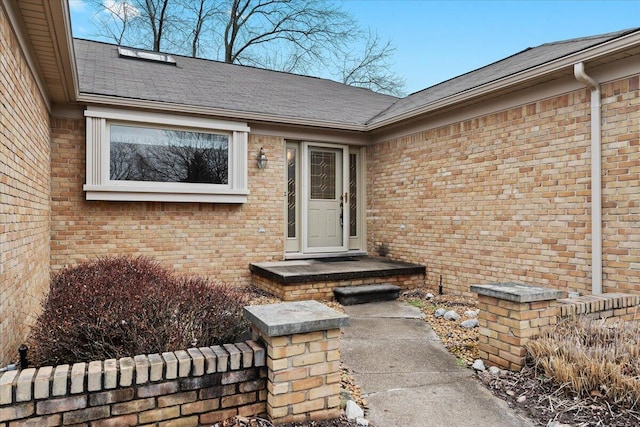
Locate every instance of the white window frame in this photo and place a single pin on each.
(99, 186)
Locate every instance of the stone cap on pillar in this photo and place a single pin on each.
(516, 292)
(290, 318)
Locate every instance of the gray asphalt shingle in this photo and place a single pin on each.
(212, 84)
(521, 61)
(247, 90)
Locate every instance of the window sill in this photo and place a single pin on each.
(141, 194)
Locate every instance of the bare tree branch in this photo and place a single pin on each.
(300, 36)
(371, 67)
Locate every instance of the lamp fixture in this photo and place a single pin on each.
(262, 159)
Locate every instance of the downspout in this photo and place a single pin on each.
(596, 178)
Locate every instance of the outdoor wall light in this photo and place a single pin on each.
(262, 159)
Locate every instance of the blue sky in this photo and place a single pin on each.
(438, 40)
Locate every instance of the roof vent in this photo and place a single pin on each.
(125, 52)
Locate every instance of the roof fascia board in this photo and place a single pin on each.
(11, 11)
(603, 73)
(299, 133)
(494, 105)
(588, 54)
(116, 102)
(60, 24)
(165, 118)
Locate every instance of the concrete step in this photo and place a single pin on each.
(350, 295)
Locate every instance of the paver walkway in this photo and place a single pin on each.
(409, 378)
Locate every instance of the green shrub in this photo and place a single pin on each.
(119, 307)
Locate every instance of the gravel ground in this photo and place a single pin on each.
(461, 342)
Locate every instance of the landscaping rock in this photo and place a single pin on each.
(451, 315)
(470, 323)
(428, 296)
(353, 411)
(439, 313)
(471, 314)
(478, 365)
(494, 370)
(362, 422)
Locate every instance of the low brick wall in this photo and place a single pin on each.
(324, 290)
(183, 388)
(611, 306)
(291, 372)
(512, 314)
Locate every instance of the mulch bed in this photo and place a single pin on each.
(342, 421)
(537, 397)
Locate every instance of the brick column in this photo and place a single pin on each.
(303, 359)
(510, 315)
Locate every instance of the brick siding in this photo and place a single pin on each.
(24, 195)
(209, 239)
(506, 196)
(621, 185)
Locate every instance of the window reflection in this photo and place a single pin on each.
(164, 155)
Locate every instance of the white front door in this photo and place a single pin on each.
(325, 193)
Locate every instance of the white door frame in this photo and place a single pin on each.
(305, 188)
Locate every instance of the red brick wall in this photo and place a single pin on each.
(506, 196)
(24, 195)
(216, 240)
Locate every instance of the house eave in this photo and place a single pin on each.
(49, 55)
(556, 66)
(113, 101)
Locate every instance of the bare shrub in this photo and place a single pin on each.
(592, 358)
(118, 307)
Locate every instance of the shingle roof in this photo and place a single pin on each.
(288, 97)
(212, 84)
(521, 61)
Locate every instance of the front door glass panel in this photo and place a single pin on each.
(323, 175)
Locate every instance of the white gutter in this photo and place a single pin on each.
(596, 178)
(250, 116)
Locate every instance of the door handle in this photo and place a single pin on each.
(346, 197)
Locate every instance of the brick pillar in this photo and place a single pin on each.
(303, 359)
(510, 315)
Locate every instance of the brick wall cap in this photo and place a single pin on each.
(291, 318)
(516, 292)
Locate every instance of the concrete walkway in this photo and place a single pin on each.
(409, 378)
